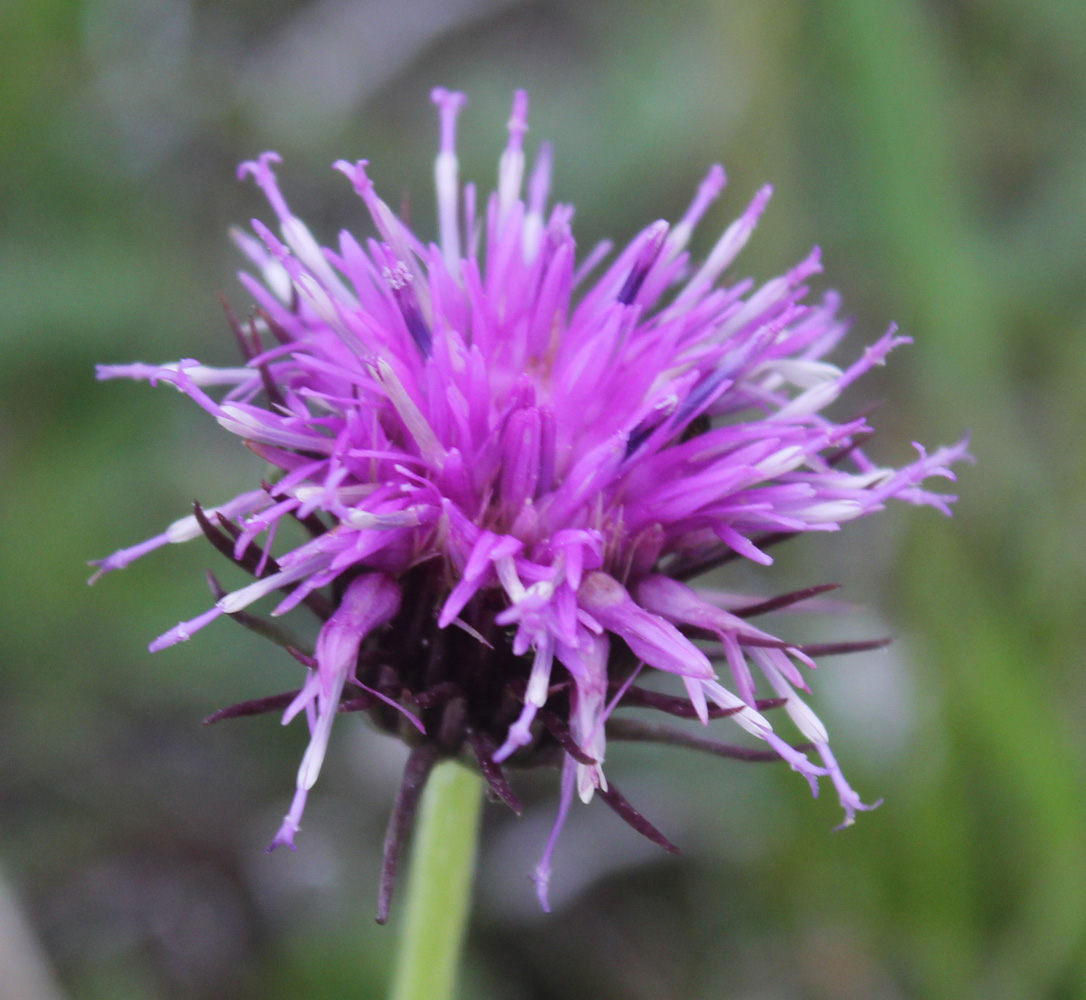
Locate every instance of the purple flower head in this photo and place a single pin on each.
(508, 470)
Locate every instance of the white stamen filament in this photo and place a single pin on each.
(447, 182)
(310, 768)
(254, 591)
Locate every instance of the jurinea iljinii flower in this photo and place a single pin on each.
(508, 472)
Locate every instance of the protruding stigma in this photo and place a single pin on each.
(518, 120)
(511, 167)
(447, 177)
(261, 172)
(450, 103)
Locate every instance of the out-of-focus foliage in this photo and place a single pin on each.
(936, 151)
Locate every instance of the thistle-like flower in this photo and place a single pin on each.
(508, 472)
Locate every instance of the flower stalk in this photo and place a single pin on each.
(439, 885)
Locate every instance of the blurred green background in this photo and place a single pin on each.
(937, 153)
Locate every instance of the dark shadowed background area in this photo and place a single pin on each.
(935, 151)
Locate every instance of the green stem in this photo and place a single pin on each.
(439, 885)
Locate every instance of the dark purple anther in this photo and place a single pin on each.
(657, 233)
(399, 280)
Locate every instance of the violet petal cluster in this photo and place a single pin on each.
(510, 468)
